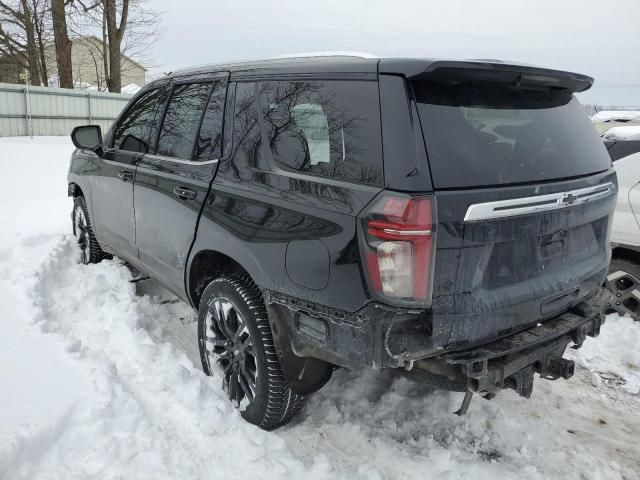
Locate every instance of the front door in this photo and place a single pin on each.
(112, 184)
(172, 183)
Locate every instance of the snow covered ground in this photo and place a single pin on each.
(100, 379)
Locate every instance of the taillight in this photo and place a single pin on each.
(399, 233)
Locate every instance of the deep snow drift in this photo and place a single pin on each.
(100, 378)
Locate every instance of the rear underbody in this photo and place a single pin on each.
(382, 337)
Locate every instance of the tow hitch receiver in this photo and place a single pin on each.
(561, 368)
(513, 361)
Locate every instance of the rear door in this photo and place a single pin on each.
(112, 183)
(172, 182)
(524, 196)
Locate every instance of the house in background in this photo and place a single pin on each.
(87, 63)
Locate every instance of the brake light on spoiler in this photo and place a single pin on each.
(399, 247)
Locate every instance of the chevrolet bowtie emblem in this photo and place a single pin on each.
(569, 199)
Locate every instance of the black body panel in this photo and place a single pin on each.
(262, 216)
(166, 221)
(494, 276)
(111, 195)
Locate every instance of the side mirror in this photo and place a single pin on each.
(87, 137)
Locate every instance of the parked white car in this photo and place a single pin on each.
(606, 120)
(620, 132)
(625, 237)
(621, 135)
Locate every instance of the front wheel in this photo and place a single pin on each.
(90, 251)
(234, 334)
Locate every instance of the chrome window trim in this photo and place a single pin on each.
(537, 203)
(178, 160)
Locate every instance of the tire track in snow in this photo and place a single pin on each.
(152, 414)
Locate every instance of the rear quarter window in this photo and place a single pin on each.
(323, 128)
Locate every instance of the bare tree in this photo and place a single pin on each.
(11, 46)
(18, 36)
(115, 33)
(32, 47)
(123, 27)
(62, 43)
(42, 25)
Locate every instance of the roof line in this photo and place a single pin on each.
(337, 53)
(262, 60)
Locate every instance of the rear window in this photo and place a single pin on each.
(480, 135)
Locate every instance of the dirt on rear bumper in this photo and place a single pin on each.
(512, 362)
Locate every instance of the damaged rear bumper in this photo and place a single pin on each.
(379, 336)
(512, 362)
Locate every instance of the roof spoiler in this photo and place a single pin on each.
(517, 75)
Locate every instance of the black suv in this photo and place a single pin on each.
(447, 218)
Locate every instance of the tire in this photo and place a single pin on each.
(625, 288)
(90, 251)
(234, 333)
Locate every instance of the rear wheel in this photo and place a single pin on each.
(234, 334)
(624, 265)
(90, 251)
(624, 282)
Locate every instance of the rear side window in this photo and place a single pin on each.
(480, 135)
(182, 119)
(327, 128)
(132, 132)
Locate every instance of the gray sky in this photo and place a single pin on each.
(599, 38)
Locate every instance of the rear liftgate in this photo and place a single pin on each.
(513, 361)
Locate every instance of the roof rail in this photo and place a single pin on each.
(248, 61)
(324, 54)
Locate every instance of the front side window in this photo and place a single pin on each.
(182, 120)
(132, 132)
(327, 128)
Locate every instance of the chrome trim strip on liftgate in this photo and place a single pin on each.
(537, 203)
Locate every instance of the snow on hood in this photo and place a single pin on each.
(631, 132)
(608, 115)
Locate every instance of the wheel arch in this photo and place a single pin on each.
(304, 374)
(626, 253)
(208, 263)
(74, 190)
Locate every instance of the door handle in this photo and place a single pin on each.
(125, 175)
(184, 193)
